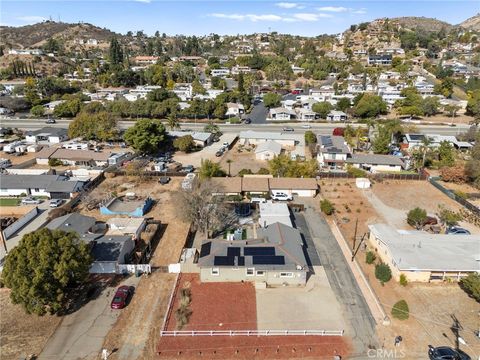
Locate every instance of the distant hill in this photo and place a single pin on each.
(31, 36)
(472, 23)
(423, 23)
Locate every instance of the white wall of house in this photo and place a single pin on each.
(265, 155)
(298, 192)
(283, 142)
(323, 158)
(379, 168)
(271, 277)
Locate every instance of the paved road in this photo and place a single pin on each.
(343, 283)
(321, 128)
(310, 251)
(258, 115)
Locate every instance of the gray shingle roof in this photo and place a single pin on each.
(332, 144)
(28, 181)
(72, 222)
(375, 159)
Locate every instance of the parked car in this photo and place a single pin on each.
(287, 128)
(306, 126)
(258, 200)
(281, 196)
(30, 201)
(446, 353)
(121, 297)
(248, 121)
(456, 230)
(219, 153)
(54, 203)
(187, 169)
(50, 121)
(164, 180)
(226, 145)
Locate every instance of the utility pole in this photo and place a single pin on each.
(354, 239)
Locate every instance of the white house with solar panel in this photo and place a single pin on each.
(274, 257)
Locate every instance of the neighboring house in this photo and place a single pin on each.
(228, 186)
(74, 157)
(332, 151)
(145, 59)
(268, 150)
(50, 134)
(183, 91)
(271, 213)
(108, 251)
(255, 184)
(126, 226)
(222, 72)
(281, 114)
(52, 105)
(425, 257)
(305, 114)
(297, 70)
(413, 141)
(74, 145)
(376, 163)
(385, 59)
(275, 257)
(51, 186)
(199, 138)
(241, 69)
(234, 109)
(336, 115)
(302, 187)
(250, 137)
(25, 52)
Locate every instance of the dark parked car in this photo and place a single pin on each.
(121, 296)
(50, 121)
(288, 129)
(446, 353)
(455, 230)
(164, 180)
(187, 169)
(248, 121)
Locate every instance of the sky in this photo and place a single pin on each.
(195, 17)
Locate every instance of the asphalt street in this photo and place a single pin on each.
(343, 283)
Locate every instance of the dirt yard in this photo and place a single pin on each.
(241, 159)
(231, 306)
(22, 334)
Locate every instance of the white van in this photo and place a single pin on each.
(281, 196)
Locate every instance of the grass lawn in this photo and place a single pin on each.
(9, 202)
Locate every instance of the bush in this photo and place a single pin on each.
(370, 257)
(245, 172)
(310, 137)
(416, 218)
(403, 280)
(400, 310)
(326, 207)
(455, 174)
(234, 120)
(263, 171)
(358, 173)
(471, 285)
(54, 162)
(184, 143)
(383, 273)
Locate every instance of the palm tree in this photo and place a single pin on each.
(229, 162)
(173, 122)
(426, 142)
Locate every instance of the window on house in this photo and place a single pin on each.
(37, 190)
(286, 274)
(215, 271)
(260, 272)
(250, 271)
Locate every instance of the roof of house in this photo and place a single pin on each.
(48, 131)
(12, 181)
(235, 106)
(375, 159)
(63, 186)
(419, 250)
(269, 145)
(227, 185)
(293, 183)
(72, 222)
(255, 184)
(78, 155)
(264, 135)
(277, 247)
(336, 113)
(281, 110)
(271, 212)
(196, 135)
(123, 226)
(109, 248)
(332, 144)
(46, 152)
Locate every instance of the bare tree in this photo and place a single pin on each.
(205, 208)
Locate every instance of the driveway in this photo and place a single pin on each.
(80, 335)
(343, 284)
(258, 115)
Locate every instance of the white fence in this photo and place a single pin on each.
(253, 333)
(133, 268)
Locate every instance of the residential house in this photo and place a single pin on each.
(74, 157)
(280, 114)
(25, 52)
(413, 141)
(273, 212)
(305, 114)
(425, 257)
(199, 138)
(228, 186)
(234, 109)
(384, 59)
(250, 137)
(237, 69)
(275, 257)
(376, 163)
(50, 107)
(222, 72)
(336, 115)
(47, 134)
(297, 70)
(268, 150)
(51, 186)
(145, 60)
(302, 187)
(183, 91)
(332, 151)
(255, 184)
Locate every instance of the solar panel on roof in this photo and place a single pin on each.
(241, 261)
(233, 251)
(268, 260)
(257, 250)
(224, 261)
(205, 249)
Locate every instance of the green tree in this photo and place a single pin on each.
(446, 154)
(244, 172)
(31, 92)
(43, 266)
(451, 110)
(310, 137)
(115, 52)
(430, 106)
(322, 108)
(403, 280)
(101, 126)
(209, 169)
(445, 87)
(173, 122)
(471, 285)
(448, 217)
(241, 83)
(197, 88)
(327, 207)
(343, 104)
(383, 273)
(184, 143)
(370, 257)
(37, 110)
(473, 104)
(212, 128)
(68, 108)
(416, 217)
(271, 100)
(370, 106)
(400, 310)
(146, 135)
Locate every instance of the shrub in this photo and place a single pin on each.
(461, 194)
(326, 207)
(403, 280)
(263, 171)
(416, 217)
(54, 162)
(400, 310)
(370, 257)
(471, 285)
(455, 174)
(244, 172)
(234, 120)
(383, 273)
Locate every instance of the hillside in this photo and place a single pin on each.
(423, 23)
(35, 35)
(472, 23)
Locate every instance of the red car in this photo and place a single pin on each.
(122, 294)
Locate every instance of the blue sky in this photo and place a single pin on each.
(227, 16)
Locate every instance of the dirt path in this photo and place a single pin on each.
(395, 218)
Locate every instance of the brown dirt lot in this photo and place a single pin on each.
(22, 334)
(241, 160)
